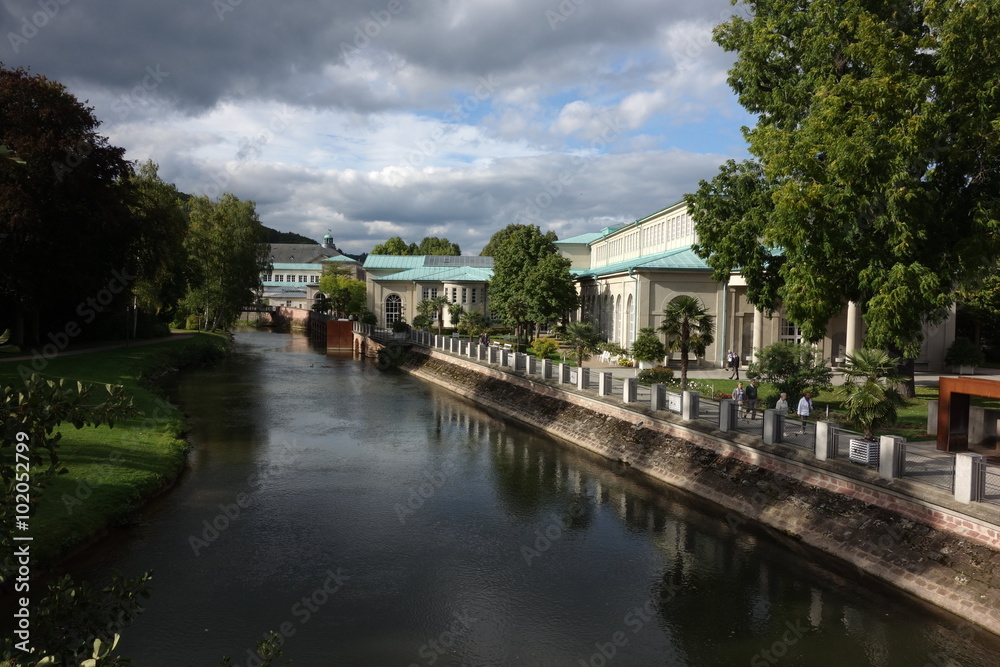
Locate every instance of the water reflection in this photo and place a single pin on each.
(457, 528)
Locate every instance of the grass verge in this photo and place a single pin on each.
(113, 471)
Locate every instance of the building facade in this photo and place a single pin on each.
(292, 279)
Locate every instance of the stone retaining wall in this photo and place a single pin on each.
(927, 546)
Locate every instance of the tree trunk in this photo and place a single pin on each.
(904, 367)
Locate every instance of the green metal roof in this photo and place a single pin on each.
(288, 266)
(340, 258)
(399, 262)
(678, 259)
(449, 274)
(582, 238)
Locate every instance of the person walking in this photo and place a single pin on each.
(739, 395)
(781, 406)
(805, 409)
(751, 400)
(734, 365)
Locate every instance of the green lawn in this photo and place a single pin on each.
(112, 471)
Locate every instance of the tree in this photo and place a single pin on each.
(473, 323)
(792, 367)
(160, 259)
(347, 295)
(529, 276)
(439, 304)
(227, 258)
(427, 310)
(647, 346)
(68, 199)
(516, 310)
(688, 326)
(392, 246)
(869, 390)
(455, 311)
(731, 214)
(583, 339)
(877, 127)
(432, 245)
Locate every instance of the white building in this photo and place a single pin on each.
(292, 280)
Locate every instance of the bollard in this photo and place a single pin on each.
(630, 390)
(932, 416)
(657, 396)
(583, 378)
(546, 369)
(968, 477)
(690, 405)
(890, 456)
(772, 427)
(604, 384)
(494, 354)
(826, 444)
(504, 358)
(532, 365)
(563, 373)
(727, 414)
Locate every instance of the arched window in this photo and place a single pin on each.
(629, 317)
(616, 327)
(393, 309)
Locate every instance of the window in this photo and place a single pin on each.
(465, 295)
(454, 295)
(393, 309)
(788, 331)
(474, 290)
(288, 303)
(267, 277)
(279, 277)
(302, 279)
(434, 292)
(425, 294)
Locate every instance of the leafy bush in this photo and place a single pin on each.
(648, 346)
(192, 323)
(368, 317)
(613, 349)
(544, 347)
(963, 352)
(400, 326)
(654, 375)
(422, 322)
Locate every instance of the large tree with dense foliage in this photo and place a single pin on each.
(530, 275)
(347, 295)
(878, 134)
(430, 245)
(63, 204)
(228, 256)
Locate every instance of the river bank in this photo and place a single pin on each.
(112, 471)
(940, 567)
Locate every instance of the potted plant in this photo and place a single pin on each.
(400, 328)
(964, 356)
(870, 399)
(647, 348)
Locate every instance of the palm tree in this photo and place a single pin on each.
(688, 326)
(473, 323)
(439, 303)
(583, 339)
(517, 312)
(869, 390)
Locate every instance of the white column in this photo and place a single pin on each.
(758, 332)
(852, 328)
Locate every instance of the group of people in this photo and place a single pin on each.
(746, 401)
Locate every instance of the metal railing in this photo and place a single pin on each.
(935, 469)
(991, 483)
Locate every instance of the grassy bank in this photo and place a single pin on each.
(112, 471)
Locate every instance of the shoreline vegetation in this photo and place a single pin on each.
(113, 472)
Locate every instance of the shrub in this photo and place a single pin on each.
(654, 375)
(543, 347)
(647, 346)
(192, 323)
(400, 326)
(963, 352)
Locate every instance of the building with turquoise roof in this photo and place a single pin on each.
(292, 278)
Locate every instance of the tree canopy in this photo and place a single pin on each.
(430, 245)
(530, 278)
(877, 136)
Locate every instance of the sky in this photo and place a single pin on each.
(378, 118)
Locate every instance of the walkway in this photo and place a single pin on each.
(88, 348)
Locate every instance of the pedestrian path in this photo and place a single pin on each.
(88, 348)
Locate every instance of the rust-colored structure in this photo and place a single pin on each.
(953, 409)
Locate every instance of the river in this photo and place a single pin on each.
(373, 519)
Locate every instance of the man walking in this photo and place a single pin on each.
(805, 409)
(752, 400)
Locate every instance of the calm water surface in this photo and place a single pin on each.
(377, 520)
